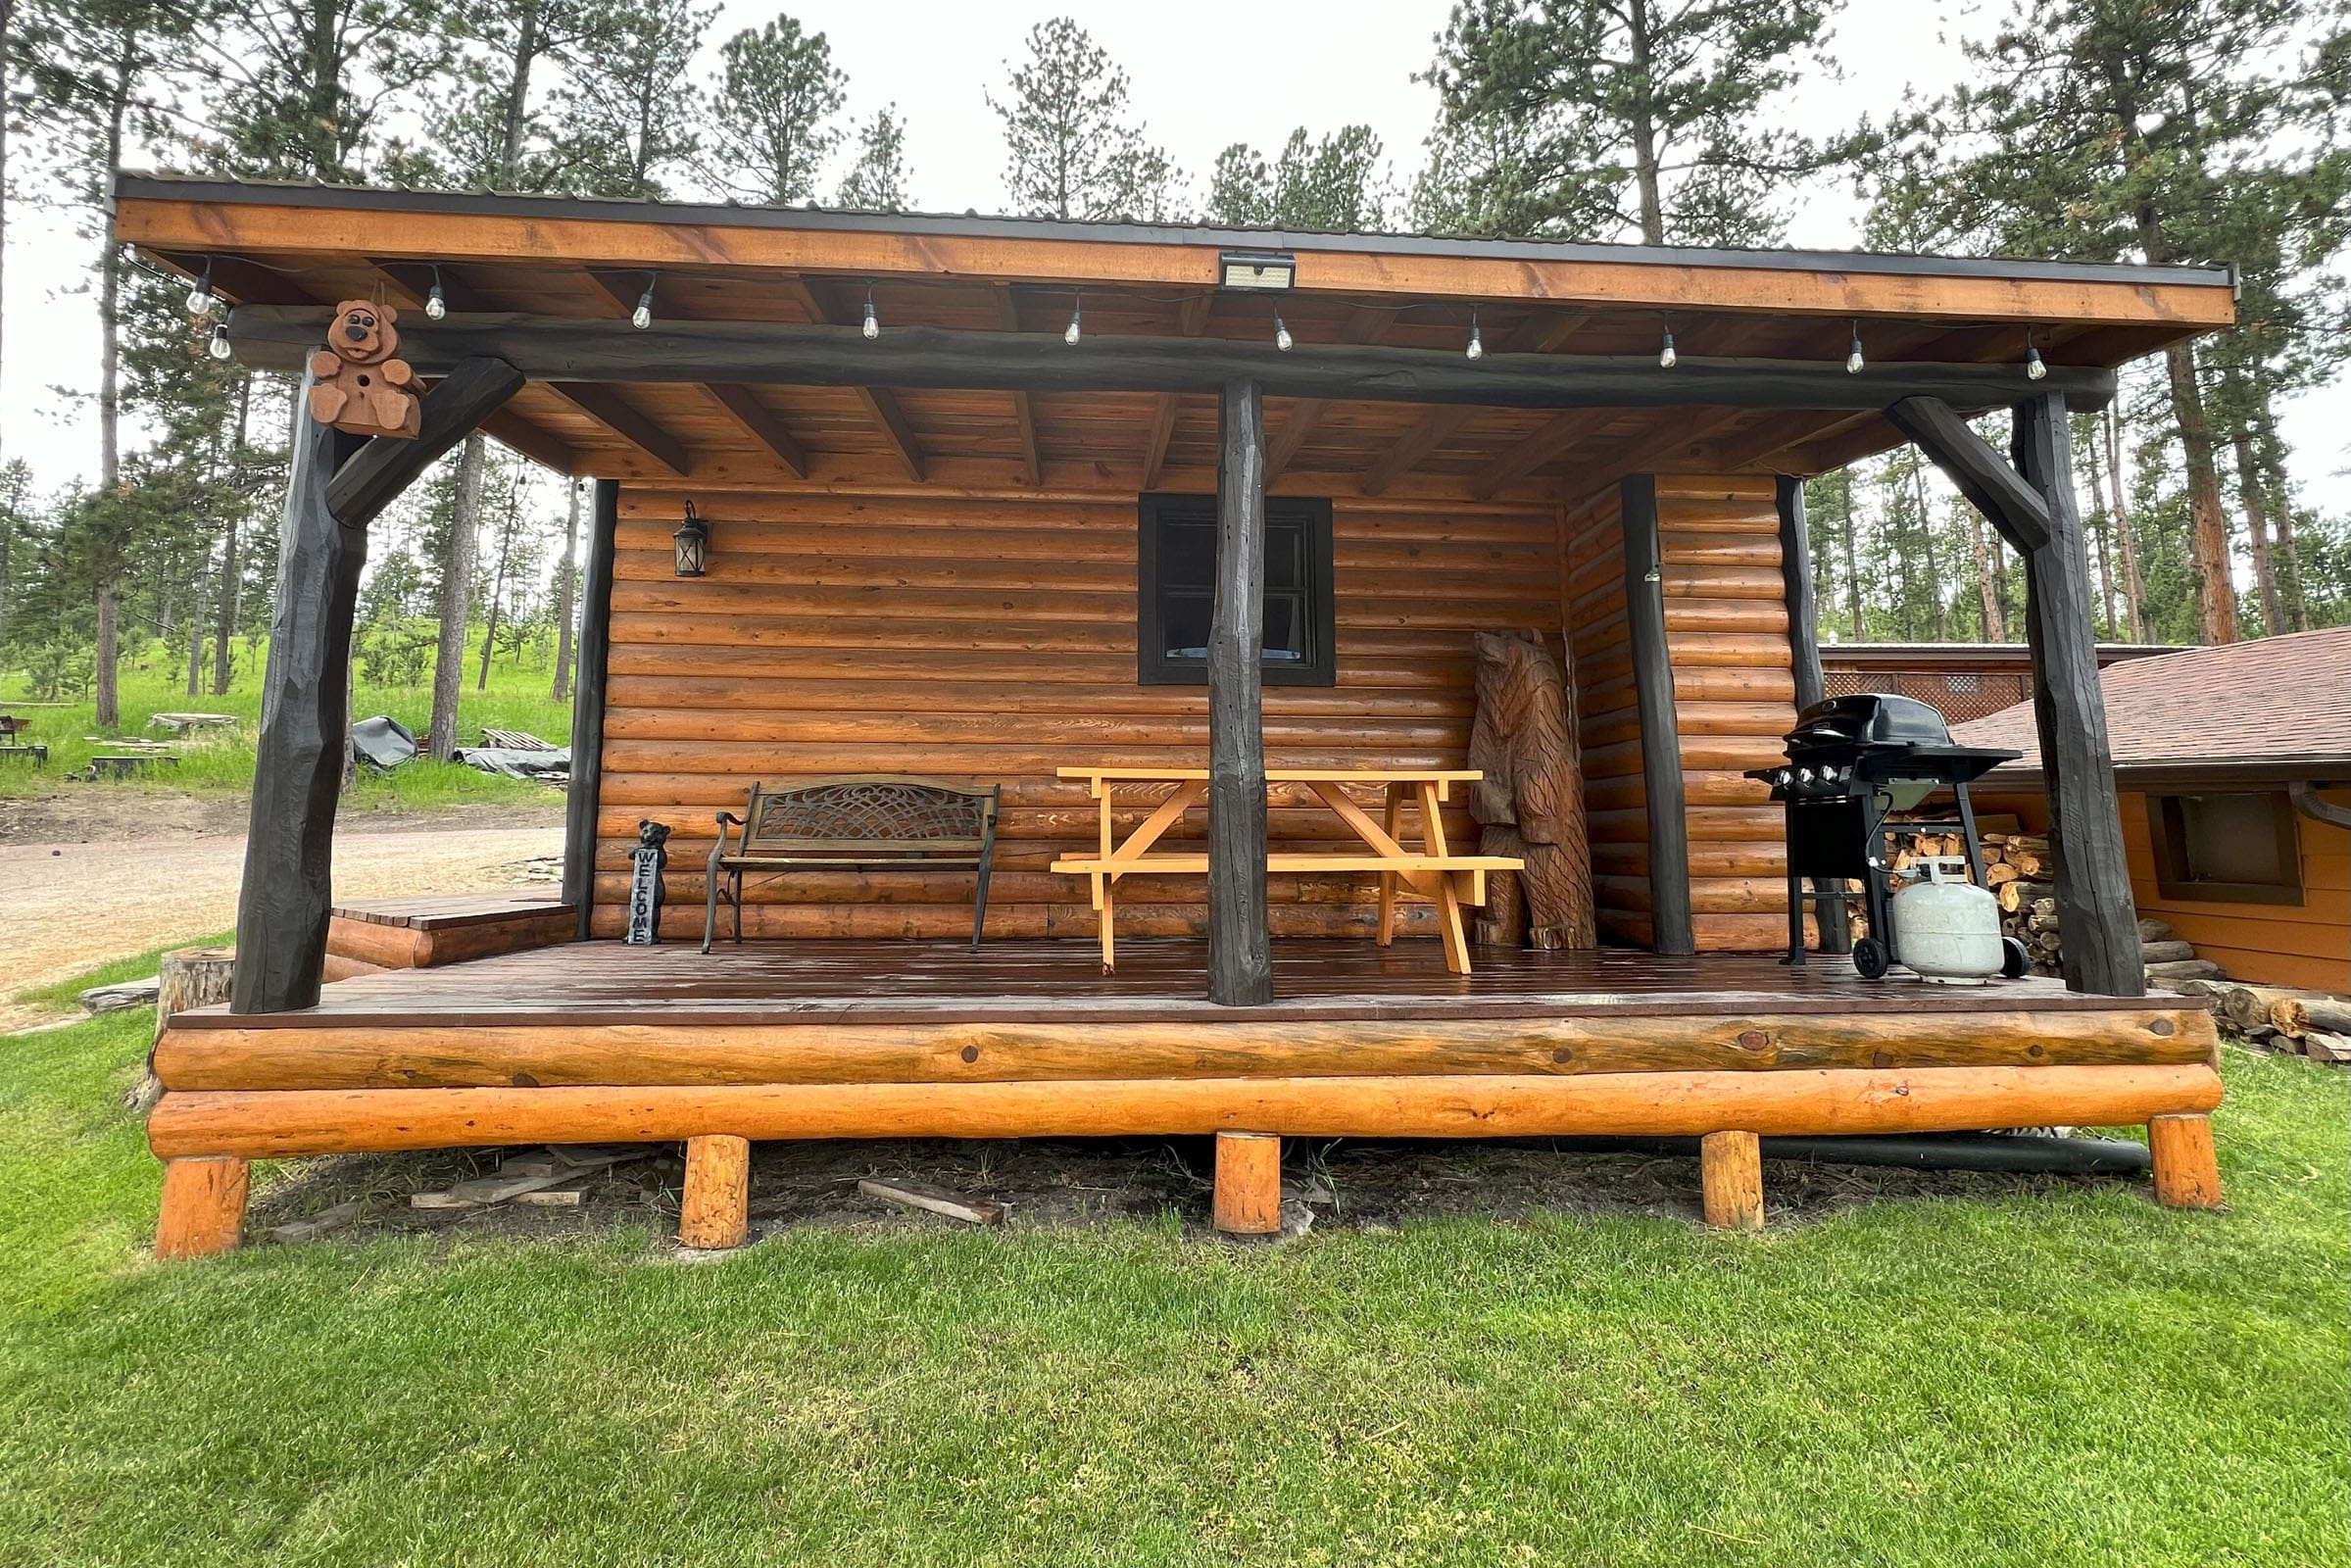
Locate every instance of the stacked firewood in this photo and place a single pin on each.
(2303, 1023)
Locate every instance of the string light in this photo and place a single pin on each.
(1071, 333)
(1476, 345)
(437, 303)
(642, 316)
(1281, 334)
(2035, 369)
(201, 299)
(873, 327)
(1666, 357)
(219, 346)
(1853, 360)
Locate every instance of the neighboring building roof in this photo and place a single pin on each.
(1968, 656)
(2278, 709)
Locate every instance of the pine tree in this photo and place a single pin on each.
(305, 86)
(1333, 183)
(1071, 150)
(628, 121)
(878, 183)
(2155, 130)
(772, 111)
(1643, 117)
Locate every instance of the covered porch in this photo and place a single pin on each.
(939, 469)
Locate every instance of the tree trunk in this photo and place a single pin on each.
(1852, 565)
(489, 635)
(2101, 529)
(2208, 524)
(1987, 586)
(196, 627)
(224, 615)
(2134, 588)
(2257, 532)
(457, 600)
(1644, 127)
(566, 588)
(1934, 576)
(2281, 503)
(110, 400)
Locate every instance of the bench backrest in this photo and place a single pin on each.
(868, 812)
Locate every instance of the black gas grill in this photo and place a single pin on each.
(1853, 762)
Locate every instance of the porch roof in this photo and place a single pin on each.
(562, 257)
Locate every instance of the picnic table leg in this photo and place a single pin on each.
(1109, 961)
(1395, 819)
(1448, 898)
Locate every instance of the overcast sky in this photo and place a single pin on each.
(1203, 78)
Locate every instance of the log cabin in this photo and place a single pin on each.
(2232, 767)
(1017, 505)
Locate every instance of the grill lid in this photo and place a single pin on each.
(1869, 719)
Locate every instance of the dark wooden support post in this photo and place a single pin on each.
(1240, 953)
(1671, 930)
(283, 907)
(2097, 915)
(1804, 661)
(585, 796)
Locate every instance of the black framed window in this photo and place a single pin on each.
(1177, 577)
(2237, 848)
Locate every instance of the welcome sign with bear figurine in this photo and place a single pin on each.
(357, 383)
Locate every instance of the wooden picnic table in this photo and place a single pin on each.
(1433, 871)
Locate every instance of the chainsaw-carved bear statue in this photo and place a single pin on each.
(1531, 803)
(356, 384)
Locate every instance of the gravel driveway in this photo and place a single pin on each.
(68, 907)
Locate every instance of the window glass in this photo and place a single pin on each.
(1178, 558)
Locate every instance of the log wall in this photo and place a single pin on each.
(991, 638)
(1734, 700)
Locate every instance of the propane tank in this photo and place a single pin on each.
(1946, 928)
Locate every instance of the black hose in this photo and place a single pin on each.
(1987, 1152)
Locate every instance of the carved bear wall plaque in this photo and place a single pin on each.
(357, 383)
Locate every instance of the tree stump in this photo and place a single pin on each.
(188, 977)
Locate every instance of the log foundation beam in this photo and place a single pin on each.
(203, 1206)
(1730, 1176)
(2187, 1172)
(1249, 1183)
(284, 1124)
(715, 1211)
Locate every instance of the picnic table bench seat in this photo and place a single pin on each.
(856, 822)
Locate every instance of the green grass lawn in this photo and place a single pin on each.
(2066, 1374)
(516, 699)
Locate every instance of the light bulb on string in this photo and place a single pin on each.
(1477, 344)
(642, 316)
(2035, 369)
(1281, 334)
(872, 328)
(436, 303)
(1071, 333)
(1853, 360)
(201, 298)
(1666, 357)
(219, 346)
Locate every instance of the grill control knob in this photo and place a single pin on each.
(1781, 779)
(1803, 775)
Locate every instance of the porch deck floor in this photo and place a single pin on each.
(1157, 980)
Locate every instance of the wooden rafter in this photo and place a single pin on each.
(1679, 431)
(1191, 318)
(1024, 409)
(881, 404)
(608, 407)
(741, 403)
(1414, 447)
(1364, 324)
(1555, 436)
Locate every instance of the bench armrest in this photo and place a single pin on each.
(719, 849)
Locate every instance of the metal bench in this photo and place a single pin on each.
(864, 822)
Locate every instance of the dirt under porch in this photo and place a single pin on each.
(897, 1040)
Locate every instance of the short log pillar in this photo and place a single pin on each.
(1730, 1176)
(2187, 1172)
(203, 1206)
(715, 1211)
(1249, 1183)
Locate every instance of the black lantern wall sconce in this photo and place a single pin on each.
(693, 539)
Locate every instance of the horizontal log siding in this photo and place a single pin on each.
(990, 640)
(1734, 700)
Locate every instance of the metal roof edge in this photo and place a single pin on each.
(135, 185)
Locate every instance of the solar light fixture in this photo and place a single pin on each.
(693, 541)
(1258, 269)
